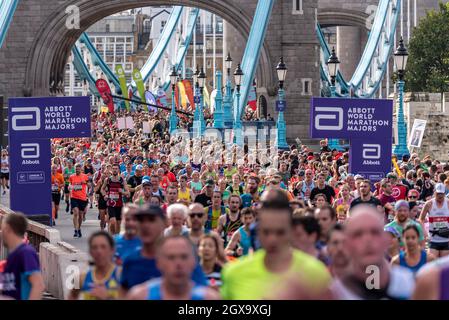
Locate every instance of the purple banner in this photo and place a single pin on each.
(53, 117)
(30, 176)
(281, 106)
(370, 158)
(348, 118)
(150, 98)
(32, 123)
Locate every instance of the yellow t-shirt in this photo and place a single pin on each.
(248, 278)
(184, 195)
(213, 220)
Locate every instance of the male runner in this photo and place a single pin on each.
(128, 242)
(4, 170)
(113, 190)
(78, 198)
(231, 221)
(176, 260)
(145, 195)
(70, 170)
(215, 211)
(437, 209)
(370, 277)
(57, 182)
(252, 194)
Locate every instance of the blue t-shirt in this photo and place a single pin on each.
(21, 263)
(124, 247)
(247, 200)
(138, 269)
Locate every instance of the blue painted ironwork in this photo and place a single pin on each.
(227, 103)
(401, 147)
(218, 112)
(83, 71)
(173, 122)
(238, 127)
(7, 9)
(280, 125)
(251, 56)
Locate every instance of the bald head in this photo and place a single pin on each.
(366, 241)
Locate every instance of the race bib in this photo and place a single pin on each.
(78, 187)
(54, 187)
(114, 196)
(440, 222)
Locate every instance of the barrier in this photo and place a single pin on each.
(61, 263)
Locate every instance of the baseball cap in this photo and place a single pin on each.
(358, 176)
(401, 203)
(150, 211)
(146, 183)
(210, 182)
(301, 173)
(139, 167)
(393, 231)
(440, 188)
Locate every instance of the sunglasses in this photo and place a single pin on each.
(198, 215)
(413, 197)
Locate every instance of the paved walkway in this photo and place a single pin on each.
(65, 225)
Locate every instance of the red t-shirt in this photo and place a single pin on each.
(399, 192)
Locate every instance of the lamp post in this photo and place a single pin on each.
(218, 112)
(227, 101)
(197, 93)
(202, 82)
(280, 125)
(400, 59)
(173, 116)
(333, 65)
(238, 128)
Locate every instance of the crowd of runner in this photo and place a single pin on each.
(298, 226)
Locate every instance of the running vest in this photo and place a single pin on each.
(245, 240)
(5, 165)
(212, 222)
(230, 227)
(114, 195)
(414, 269)
(438, 219)
(154, 291)
(111, 283)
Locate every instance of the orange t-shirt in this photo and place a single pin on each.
(57, 181)
(79, 184)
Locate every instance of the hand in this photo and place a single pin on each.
(100, 292)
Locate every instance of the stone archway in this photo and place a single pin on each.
(53, 42)
(342, 17)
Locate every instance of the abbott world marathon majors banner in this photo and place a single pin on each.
(32, 123)
(367, 123)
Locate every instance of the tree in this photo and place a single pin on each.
(428, 66)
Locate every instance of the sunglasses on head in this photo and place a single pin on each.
(197, 214)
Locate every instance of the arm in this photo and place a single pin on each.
(37, 286)
(221, 222)
(235, 239)
(423, 215)
(395, 260)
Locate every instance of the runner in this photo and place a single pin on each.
(263, 274)
(337, 256)
(184, 194)
(437, 209)
(89, 171)
(140, 266)
(240, 243)
(215, 211)
(305, 234)
(113, 190)
(175, 259)
(205, 198)
(230, 222)
(208, 250)
(21, 278)
(128, 242)
(431, 281)
(145, 195)
(177, 215)
(413, 257)
(366, 244)
(78, 198)
(366, 197)
(4, 170)
(252, 195)
(322, 188)
(57, 183)
(70, 170)
(99, 179)
(102, 279)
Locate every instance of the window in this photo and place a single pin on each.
(163, 23)
(99, 40)
(119, 59)
(108, 28)
(110, 40)
(120, 39)
(297, 7)
(209, 63)
(129, 39)
(306, 87)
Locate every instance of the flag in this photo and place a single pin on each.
(212, 100)
(252, 98)
(150, 98)
(206, 97)
(182, 94)
(189, 93)
(105, 93)
(137, 77)
(122, 79)
(161, 97)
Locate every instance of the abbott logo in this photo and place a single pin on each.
(333, 113)
(30, 151)
(32, 113)
(371, 151)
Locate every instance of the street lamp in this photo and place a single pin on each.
(227, 101)
(238, 135)
(173, 117)
(202, 83)
(401, 59)
(281, 70)
(333, 65)
(197, 94)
